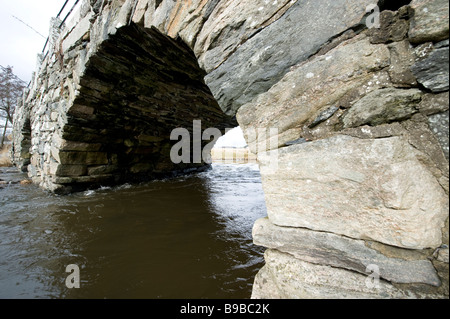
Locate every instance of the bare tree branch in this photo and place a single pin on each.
(11, 88)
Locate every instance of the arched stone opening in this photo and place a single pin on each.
(359, 112)
(138, 87)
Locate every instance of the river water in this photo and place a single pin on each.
(188, 237)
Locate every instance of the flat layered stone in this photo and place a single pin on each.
(433, 71)
(342, 252)
(77, 33)
(392, 28)
(96, 158)
(434, 103)
(75, 157)
(402, 59)
(443, 255)
(63, 157)
(430, 21)
(94, 179)
(142, 168)
(287, 277)
(383, 106)
(102, 169)
(439, 125)
(376, 189)
(425, 139)
(265, 58)
(62, 180)
(65, 145)
(61, 170)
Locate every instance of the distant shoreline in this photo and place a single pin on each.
(218, 155)
(232, 155)
(5, 160)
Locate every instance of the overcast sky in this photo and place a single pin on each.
(234, 138)
(21, 44)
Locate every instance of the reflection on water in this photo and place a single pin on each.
(188, 237)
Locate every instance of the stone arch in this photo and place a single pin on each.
(137, 87)
(73, 98)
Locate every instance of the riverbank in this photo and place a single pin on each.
(5, 160)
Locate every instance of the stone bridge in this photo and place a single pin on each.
(359, 101)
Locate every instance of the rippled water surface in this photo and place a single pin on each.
(188, 237)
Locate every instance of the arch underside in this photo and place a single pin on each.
(137, 88)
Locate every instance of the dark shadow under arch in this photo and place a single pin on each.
(137, 88)
(392, 5)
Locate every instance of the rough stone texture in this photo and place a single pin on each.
(422, 138)
(20, 150)
(341, 252)
(433, 71)
(443, 255)
(77, 33)
(311, 88)
(323, 186)
(231, 24)
(235, 83)
(434, 103)
(393, 28)
(402, 59)
(430, 21)
(383, 106)
(367, 133)
(439, 126)
(286, 277)
(213, 29)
